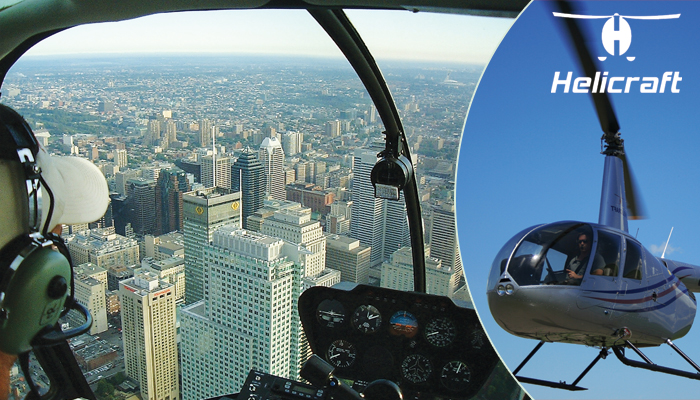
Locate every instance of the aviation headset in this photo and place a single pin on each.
(36, 282)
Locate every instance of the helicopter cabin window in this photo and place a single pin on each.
(557, 254)
(633, 261)
(608, 249)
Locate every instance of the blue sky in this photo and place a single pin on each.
(529, 156)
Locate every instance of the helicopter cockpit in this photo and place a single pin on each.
(565, 253)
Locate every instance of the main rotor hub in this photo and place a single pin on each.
(614, 144)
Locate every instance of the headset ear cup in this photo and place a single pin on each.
(34, 298)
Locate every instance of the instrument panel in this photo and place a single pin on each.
(429, 346)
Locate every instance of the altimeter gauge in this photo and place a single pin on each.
(440, 332)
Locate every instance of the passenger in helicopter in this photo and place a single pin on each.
(576, 266)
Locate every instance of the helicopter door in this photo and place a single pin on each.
(632, 276)
(604, 272)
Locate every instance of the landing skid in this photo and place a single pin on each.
(648, 364)
(561, 384)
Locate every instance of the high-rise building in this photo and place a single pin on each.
(223, 171)
(378, 223)
(333, 128)
(248, 177)
(148, 332)
(205, 133)
(398, 274)
(102, 247)
(443, 237)
(141, 205)
(204, 211)
(246, 319)
(90, 290)
(172, 183)
(348, 256)
(121, 177)
(291, 143)
(296, 226)
(121, 158)
(170, 270)
(272, 159)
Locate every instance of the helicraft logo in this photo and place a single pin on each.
(616, 31)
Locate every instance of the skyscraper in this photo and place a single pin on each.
(398, 274)
(204, 211)
(272, 159)
(141, 205)
(205, 133)
(443, 237)
(377, 223)
(348, 256)
(223, 171)
(172, 183)
(245, 321)
(148, 333)
(291, 143)
(248, 177)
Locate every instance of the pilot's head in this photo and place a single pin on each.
(34, 278)
(584, 244)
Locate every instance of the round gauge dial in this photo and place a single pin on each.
(330, 313)
(455, 376)
(416, 368)
(341, 353)
(440, 332)
(367, 319)
(403, 323)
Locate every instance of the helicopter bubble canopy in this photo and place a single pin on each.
(544, 255)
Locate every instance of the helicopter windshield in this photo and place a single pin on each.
(554, 254)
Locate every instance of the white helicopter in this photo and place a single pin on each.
(593, 283)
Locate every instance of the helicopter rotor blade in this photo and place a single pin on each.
(603, 106)
(635, 207)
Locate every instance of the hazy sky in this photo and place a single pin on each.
(389, 34)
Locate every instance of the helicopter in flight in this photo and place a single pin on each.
(393, 177)
(595, 284)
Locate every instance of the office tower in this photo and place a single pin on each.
(223, 171)
(121, 177)
(171, 131)
(121, 158)
(398, 274)
(443, 237)
(300, 171)
(248, 177)
(245, 321)
(102, 247)
(152, 172)
(204, 211)
(308, 195)
(164, 246)
(90, 290)
(117, 273)
(377, 223)
(272, 159)
(348, 256)
(170, 270)
(148, 333)
(205, 133)
(172, 183)
(141, 205)
(291, 143)
(296, 226)
(333, 128)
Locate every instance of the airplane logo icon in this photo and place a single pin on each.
(622, 35)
